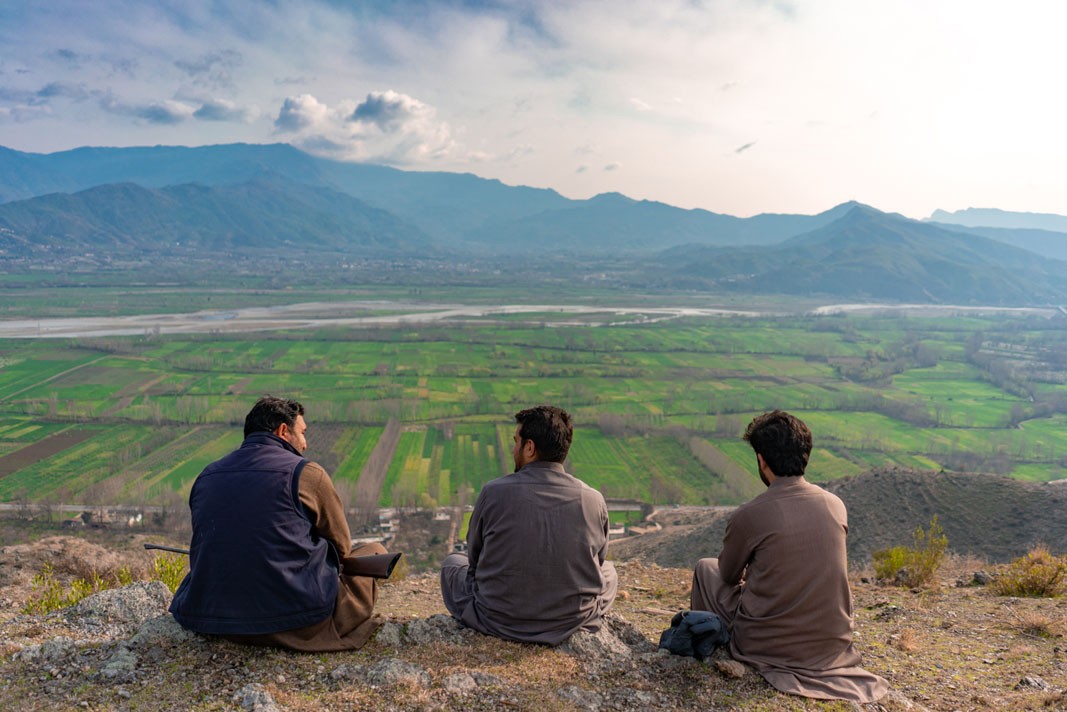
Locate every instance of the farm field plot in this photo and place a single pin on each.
(659, 405)
(651, 469)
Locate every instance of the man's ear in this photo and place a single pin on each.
(282, 430)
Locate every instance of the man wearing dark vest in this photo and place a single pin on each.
(269, 533)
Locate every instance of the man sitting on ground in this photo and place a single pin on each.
(780, 582)
(535, 568)
(269, 536)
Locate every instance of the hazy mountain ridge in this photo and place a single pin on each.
(868, 254)
(255, 214)
(240, 196)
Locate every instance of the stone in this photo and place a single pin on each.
(460, 682)
(629, 634)
(439, 628)
(1033, 683)
(393, 671)
(121, 610)
(581, 698)
(389, 634)
(731, 668)
(121, 664)
(163, 631)
(601, 646)
(255, 698)
(346, 672)
(48, 651)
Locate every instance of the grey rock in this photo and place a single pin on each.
(581, 698)
(439, 628)
(1033, 683)
(255, 698)
(460, 682)
(48, 651)
(390, 634)
(121, 664)
(629, 634)
(119, 611)
(463, 682)
(982, 578)
(163, 631)
(347, 672)
(393, 671)
(631, 699)
(602, 646)
(486, 679)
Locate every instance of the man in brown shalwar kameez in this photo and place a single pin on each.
(535, 568)
(269, 536)
(780, 582)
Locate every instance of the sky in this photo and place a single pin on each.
(738, 107)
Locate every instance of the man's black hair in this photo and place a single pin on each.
(270, 412)
(783, 440)
(550, 430)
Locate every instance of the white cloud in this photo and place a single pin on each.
(301, 112)
(907, 106)
(223, 110)
(166, 112)
(386, 126)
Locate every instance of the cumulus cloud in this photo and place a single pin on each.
(386, 126)
(223, 110)
(301, 112)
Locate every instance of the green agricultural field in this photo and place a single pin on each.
(659, 404)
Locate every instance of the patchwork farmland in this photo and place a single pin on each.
(421, 415)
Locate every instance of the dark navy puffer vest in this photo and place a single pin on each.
(255, 566)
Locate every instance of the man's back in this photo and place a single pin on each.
(535, 568)
(795, 605)
(255, 565)
(536, 543)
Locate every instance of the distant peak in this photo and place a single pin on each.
(611, 197)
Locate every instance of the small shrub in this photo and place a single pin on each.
(170, 569)
(887, 562)
(917, 565)
(1037, 574)
(49, 594)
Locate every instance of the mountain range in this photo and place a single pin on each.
(247, 197)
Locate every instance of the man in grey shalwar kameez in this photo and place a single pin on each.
(535, 568)
(781, 582)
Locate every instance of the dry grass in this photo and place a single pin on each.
(947, 648)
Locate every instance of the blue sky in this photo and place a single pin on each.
(735, 107)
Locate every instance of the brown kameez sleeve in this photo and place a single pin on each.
(323, 505)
